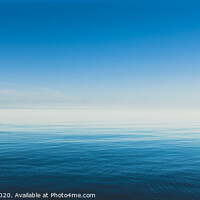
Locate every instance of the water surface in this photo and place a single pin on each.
(146, 161)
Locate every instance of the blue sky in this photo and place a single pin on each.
(64, 53)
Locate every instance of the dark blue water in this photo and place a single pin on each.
(133, 162)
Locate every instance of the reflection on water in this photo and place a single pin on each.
(130, 162)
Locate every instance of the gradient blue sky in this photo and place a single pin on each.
(139, 53)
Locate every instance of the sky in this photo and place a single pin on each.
(100, 54)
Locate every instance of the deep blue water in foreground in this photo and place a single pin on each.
(129, 162)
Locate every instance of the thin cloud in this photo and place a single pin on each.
(16, 95)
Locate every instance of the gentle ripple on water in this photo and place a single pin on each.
(150, 162)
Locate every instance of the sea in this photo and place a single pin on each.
(139, 161)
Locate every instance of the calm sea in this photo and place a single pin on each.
(146, 161)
